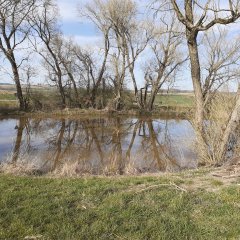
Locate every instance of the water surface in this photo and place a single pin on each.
(115, 145)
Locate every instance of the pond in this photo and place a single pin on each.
(108, 145)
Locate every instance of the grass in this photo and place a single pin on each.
(175, 100)
(7, 96)
(8, 105)
(116, 208)
(8, 101)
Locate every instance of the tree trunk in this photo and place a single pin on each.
(196, 79)
(77, 99)
(103, 94)
(118, 101)
(22, 105)
(93, 96)
(152, 99)
(102, 71)
(131, 70)
(61, 90)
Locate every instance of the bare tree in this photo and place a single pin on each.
(44, 24)
(115, 19)
(166, 58)
(86, 68)
(131, 35)
(95, 12)
(220, 62)
(118, 75)
(14, 30)
(200, 17)
(121, 15)
(67, 58)
(209, 14)
(28, 73)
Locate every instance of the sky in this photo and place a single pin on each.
(73, 25)
(86, 35)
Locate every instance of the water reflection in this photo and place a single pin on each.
(98, 146)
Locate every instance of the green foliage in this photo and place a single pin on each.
(120, 208)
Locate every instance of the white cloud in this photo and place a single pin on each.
(68, 10)
(88, 40)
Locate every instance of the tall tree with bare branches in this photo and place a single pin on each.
(95, 12)
(14, 30)
(200, 16)
(166, 58)
(44, 22)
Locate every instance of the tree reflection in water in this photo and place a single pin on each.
(104, 146)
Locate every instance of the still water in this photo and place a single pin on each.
(115, 145)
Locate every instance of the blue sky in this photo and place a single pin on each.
(72, 24)
(85, 33)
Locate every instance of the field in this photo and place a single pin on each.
(174, 101)
(6, 96)
(8, 101)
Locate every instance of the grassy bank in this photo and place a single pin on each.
(185, 206)
(163, 112)
(172, 105)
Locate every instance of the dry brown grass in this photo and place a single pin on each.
(216, 122)
(20, 168)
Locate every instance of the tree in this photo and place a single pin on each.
(131, 35)
(199, 17)
(44, 23)
(67, 58)
(220, 62)
(166, 58)
(14, 30)
(96, 13)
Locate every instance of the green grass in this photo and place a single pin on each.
(50, 98)
(216, 183)
(120, 208)
(7, 96)
(175, 100)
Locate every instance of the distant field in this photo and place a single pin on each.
(8, 100)
(7, 96)
(175, 100)
(162, 100)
